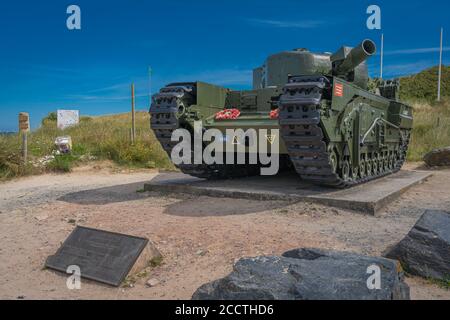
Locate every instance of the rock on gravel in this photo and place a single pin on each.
(307, 274)
(438, 157)
(152, 282)
(425, 251)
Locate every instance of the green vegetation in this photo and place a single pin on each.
(423, 86)
(10, 158)
(131, 279)
(62, 163)
(431, 119)
(156, 262)
(444, 283)
(431, 128)
(101, 138)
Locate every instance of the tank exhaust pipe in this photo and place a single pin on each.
(355, 57)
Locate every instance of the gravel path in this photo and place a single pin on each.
(199, 237)
(38, 190)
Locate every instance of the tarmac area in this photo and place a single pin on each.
(200, 236)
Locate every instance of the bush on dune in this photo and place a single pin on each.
(431, 128)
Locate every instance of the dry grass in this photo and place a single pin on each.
(105, 137)
(10, 158)
(431, 128)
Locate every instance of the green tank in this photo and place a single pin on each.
(333, 130)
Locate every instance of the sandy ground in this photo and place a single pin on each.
(200, 238)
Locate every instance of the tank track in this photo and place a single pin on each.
(314, 159)
(167, 107)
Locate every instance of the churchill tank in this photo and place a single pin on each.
(332, 129)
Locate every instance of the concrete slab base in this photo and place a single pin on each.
(368, 198)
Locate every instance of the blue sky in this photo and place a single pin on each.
(44, 66)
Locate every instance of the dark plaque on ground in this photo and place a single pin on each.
(101, 255)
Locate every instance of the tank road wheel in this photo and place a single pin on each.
(333, 161)
(386, 163)
(397, 156)
(362, 169)
(345, 170)
(391, 162)
(369, 167)
(355, 173)
(374, 166)
(181, 110)
(380, 164)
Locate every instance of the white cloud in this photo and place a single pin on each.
(415, 51)
(303, 24)
(42, 71)
(111, 88)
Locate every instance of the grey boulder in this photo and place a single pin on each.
(307, 274)
(425, 251)
(438, 157)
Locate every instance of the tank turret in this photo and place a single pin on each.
(346, 60)
(349, 63)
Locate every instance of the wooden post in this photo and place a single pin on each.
(133, 116)
(25, 147)
(24, 127)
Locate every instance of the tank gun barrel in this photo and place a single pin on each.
(354, 57)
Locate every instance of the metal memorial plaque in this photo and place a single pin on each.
(101, 255)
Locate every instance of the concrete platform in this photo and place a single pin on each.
(368, 198)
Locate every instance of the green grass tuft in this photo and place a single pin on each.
(156, 262)
(442, 283)
(62, 163)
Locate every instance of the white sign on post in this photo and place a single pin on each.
(67, 118)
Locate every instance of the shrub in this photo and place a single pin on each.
(431, 128)
(51, 117)
(62, 163)
(423, 86)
